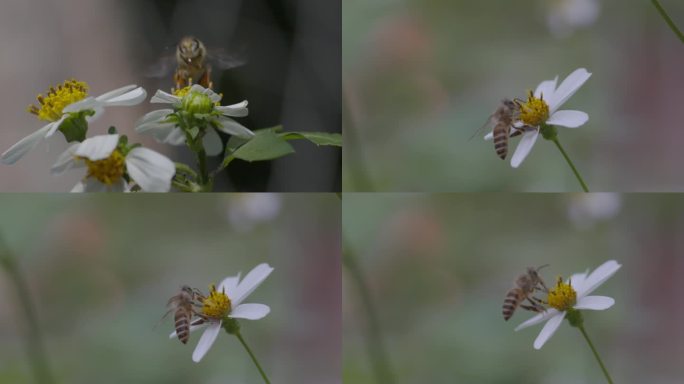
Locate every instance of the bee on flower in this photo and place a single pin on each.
(224, 304)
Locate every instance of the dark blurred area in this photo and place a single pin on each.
(291, 77)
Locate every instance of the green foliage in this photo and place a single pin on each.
(318, 138)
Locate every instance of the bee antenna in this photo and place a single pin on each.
(542, 266)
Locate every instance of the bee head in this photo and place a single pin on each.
(189, 49)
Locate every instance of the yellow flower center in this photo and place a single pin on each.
(109, 170)
(534, 111)
(182, 92)
(562, 296)
(217, 305)
(53, 103)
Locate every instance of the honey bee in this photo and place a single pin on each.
(183, 305)
(193, 63)
(503, 120)
(525, 286)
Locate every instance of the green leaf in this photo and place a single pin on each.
(318, 138)
(265, 145)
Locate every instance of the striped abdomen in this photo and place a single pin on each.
(500, 133)
(182, 322)
(513, 298)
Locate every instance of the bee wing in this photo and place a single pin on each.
(488, 123)
(163, 67)
(222, 59)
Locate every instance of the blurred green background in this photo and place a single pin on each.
(439, 268)
(100, 270)
(421, 76)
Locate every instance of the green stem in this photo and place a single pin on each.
(668, 20)
(376, 349)
(356, 163)
(34, 340)
(572, 166)
(254, 359)
(202, 164)
(598, 358)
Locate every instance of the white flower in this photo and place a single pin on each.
(227, 301)
(564, 16)
(542, 106)
(157, 123)
(70, 97)
(106, 165)
(582, 284)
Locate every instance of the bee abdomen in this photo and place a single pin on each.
(182, 326)
(510, 304)
(501, 143)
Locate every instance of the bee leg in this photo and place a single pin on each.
(205, 80)
(531, 308)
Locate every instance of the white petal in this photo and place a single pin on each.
(524, 147)
(65, 161)
(115, 93)
(546, 89)
(55, 126)
(78, 188)
(212, 143)
(568, 119)
(598, 277)
(229, 284)
(577, 280)
(134, 97)
(536, 319)
(93, 185)
(250, 311)
(235, 110)
(549, 329)
(175, 137)
(253, 279)
(151, 170)
(596, 303)
(156, 116)
(206, 341)
(489, 136)
(568, 88)
(23, 146)
(232, 127)
(97, 147)
(87, 103)
(163, 97)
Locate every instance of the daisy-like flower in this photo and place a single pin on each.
(108, 160)
(226, 302)
(193, 108)
(541, 109)
(70, 99)
(570, 296)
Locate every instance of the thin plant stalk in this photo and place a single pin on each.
(668, 20)
(357, 165)
(34, 340)
(596, 355)
(572, 166)
(254, 359)
(374, 342)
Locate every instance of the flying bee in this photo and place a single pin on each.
(183, 305)
(193, 63)
(524, 288)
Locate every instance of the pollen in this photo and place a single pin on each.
(534, 111)
(108, 171)
(182, 92)
(217, 305)
(56, 99)
(562, 296)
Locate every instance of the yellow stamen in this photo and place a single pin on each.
(534, 111)
(52, 105)
(182, 92)
(109, 170)
(562, 296)
(217, 305)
